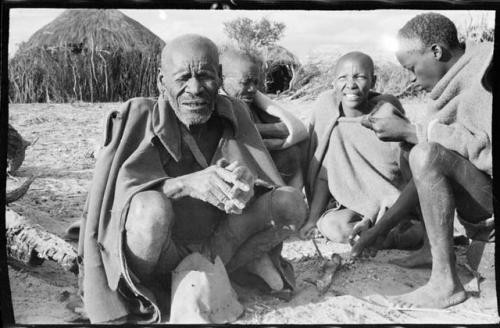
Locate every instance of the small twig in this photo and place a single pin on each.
(317, 248)
(34, 141)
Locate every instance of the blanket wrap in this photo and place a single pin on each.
(324, 117)
(128, 163)
(460, 114)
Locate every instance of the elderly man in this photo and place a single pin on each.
(451, 161)
(186, 173)
(282, 133)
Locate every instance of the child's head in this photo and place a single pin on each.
(354, 77)
(242, 74)
(426, 45)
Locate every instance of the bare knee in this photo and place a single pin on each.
(337, 225)
(332, 230)
(288, 206)
(150, 215)
(426, 157)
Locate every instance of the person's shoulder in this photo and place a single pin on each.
(327, 95)
(239, 108)
(140, 105)
(325, 101)
(481, 49)
(385, 97)
(378, 99)
(136, 109)
(235, 102)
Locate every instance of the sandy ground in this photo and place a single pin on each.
(62, 160)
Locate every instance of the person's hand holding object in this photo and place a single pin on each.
(389, 124)
(359, 228)
(242, 186)
(226, 186)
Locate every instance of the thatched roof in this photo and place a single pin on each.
(97, 29)
(278, 55)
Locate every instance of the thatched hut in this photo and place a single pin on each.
(86, 55)
(281, 68)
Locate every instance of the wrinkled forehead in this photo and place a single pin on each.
(356, 63)
(188, 53)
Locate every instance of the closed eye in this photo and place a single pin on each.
(183, 77)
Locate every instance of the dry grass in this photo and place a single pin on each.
(86, 55)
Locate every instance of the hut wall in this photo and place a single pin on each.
(67, 74)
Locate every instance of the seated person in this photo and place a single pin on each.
(353, 177)
(185, 173)
(451, 161)
(281, 131)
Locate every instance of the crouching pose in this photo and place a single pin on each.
(282, 133)
(184, 173)
(353, 177)
(451, 163)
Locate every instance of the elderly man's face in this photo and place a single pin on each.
(190, 75)
(242, 79)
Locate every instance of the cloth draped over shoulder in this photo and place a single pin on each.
(460, 115)
(362, 172)
(129, 163)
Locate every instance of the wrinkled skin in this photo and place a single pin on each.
(242, 78)
(190, 78)
(353, 80)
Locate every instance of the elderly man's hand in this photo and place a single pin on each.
(215, 185)
(389, 124)
(242, 189)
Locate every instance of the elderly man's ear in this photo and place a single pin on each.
(374, 81)
(219, 71)
(159, 82)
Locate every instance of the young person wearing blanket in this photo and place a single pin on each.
(353, 177)
(451, 163)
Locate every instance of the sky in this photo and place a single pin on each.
(308, 34)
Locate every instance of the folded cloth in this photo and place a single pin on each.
(363, 172)
(202, 293)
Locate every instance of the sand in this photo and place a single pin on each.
(62, 159)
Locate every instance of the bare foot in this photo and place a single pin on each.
(419, 258)
(432, 295)
(264, 268)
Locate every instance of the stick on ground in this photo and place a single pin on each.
(31, 244)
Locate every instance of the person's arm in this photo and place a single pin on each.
(273, 130)
(273, 143)
(297, 130)
(320, 199)
(390, 124)
(405, 204)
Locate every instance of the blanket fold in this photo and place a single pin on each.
(459, 117)
(324, 119)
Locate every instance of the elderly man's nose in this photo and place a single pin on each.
(194, 86)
